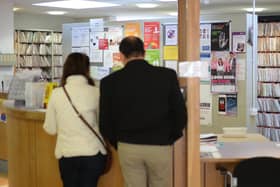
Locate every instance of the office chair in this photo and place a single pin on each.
(257, 172)
(253, 172)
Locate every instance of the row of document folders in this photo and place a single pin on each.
(272, 133)
(41, 49)
(269, 44)
(268, 105)
(39, 37)
(39, 61)
(269, 75)
(269, 59)
(268, 120)
(269, 29)
(269, 89)
(57, 72)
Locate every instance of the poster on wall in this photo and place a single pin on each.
(152, 35)
(114, 36)
(132, 29)
(80, 36)
(205, 41)
(220, 36)
(153, 57)
(227, 104)
(223, 72)
(170, 53)
(238, 42)
(205, 105)
(103, 44)
(172, 64)
(84, 50)
(96, 25)
(171, 35)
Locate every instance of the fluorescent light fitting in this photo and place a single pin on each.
(173, 13)
(56, 12)
(16, 9)
(146, 5)
(256, 9)
(131, 18)
(206, 2)
(167, 0)
(76, 4)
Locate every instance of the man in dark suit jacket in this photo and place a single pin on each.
(142, 112)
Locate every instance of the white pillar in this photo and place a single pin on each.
(6, 26)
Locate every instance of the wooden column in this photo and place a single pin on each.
(189, 50)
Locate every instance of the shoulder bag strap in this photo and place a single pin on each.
(83, 119)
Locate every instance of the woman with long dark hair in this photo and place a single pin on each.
(81, 155)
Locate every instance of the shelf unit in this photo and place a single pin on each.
(39, 49)
(268, 122)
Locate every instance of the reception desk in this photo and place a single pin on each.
(232, 151)
(3, 136)
(31, 161)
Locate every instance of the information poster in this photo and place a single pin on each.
(170, 53)
(220, 36)
(80, 37)
(172, 65)
(103, 44)
(114, 36)
(223, 72)
(98, 73)
(108, 58)
(152, 35)
(153, 57)
(132, 29)
(205, 105)
(227, 104)
(84, 50)
(205, 42)
(238, 42)
(96, 25)
(117, 63)
(171, 35)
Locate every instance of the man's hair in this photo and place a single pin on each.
(132, 46)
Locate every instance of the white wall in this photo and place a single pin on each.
(44, 22)
(7, 26)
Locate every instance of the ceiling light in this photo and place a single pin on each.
(256, 9)
(167, 0)
(206, 2)
(131, 18)
(147, 5)
(56, 12)
(173, 13)
(76, 4)
(15, 9)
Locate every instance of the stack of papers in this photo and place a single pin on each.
(208, 138)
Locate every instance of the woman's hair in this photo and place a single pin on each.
(76, 64)
(220, 61)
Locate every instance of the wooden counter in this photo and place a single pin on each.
(31, 160)
(3, 137)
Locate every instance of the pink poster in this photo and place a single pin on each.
(103, 44)
(152, 35)
(223, 72)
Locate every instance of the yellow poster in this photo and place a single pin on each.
(170, 53)
(132, 29)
